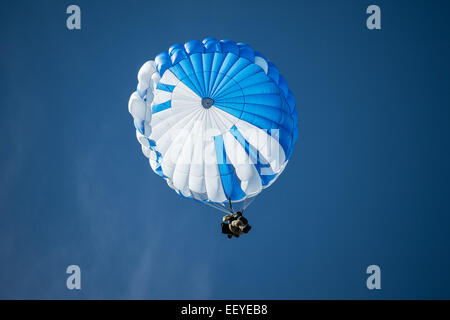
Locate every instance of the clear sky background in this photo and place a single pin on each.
(368, 182)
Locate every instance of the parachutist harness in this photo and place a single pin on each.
(236, 224)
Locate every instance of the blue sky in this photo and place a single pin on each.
(367, 182)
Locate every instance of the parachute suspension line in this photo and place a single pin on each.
(247, 202)
(231, 206)
(218, 206)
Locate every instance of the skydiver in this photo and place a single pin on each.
(236, 226)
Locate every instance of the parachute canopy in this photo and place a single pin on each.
(215, 119)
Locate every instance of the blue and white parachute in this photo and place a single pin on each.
(215, 119)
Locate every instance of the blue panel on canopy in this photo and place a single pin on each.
(265, 172)
(162, 106)
(230, 182)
